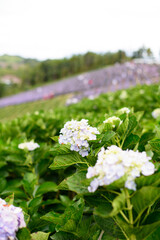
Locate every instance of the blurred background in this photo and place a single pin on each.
(84, 47)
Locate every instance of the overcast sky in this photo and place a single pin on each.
(60, 28)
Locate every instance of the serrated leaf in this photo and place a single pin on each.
(40, 236)
(64, 161)
(155, 145)
(109, 226)
(60, 149)
(144, 140)
(130, 141)
(78, 182)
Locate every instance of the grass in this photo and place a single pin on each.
(11, 112)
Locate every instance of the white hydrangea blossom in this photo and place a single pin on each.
(114, 163)
(124, 110)
(77, 133)
(156, 113)
(123, 95)
(28, 145)
(113, 120)
(11, 219)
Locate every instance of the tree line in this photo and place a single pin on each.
(51, 70)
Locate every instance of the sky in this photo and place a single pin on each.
(50, 29)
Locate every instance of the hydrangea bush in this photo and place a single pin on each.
(53, 184)
(115, 177)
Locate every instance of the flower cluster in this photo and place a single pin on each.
(29, 145)
(124, 110)
(11, 219)
(77, 133)
(114, 121)
(123, 95)
(156, 113)
(114, 163)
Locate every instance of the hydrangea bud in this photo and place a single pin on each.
(114, 121)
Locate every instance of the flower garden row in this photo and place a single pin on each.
(89, 171)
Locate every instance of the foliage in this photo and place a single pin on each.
(50, 183)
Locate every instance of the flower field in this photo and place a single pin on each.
(88, 171)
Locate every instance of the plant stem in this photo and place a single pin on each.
(124, 216)
(129, 206)
(148, 211)
(101, 234)
(106, 198)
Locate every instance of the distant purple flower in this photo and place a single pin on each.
(11, 219)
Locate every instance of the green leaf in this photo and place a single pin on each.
(130, 141)
(138, 233)
(107, 136)
(127, 126)
(144, 198)
(152, 180)
(68, 221)
(45, 188)
(60, 149)
(26, 217)
(34, 205)
(23, 234)
(2, 164)
(64, 161)
(155, 145)
(78, 182)
(144, 140)
(103, 210)
(10, 199)
(53, 217)
(71, 217)
(65, 200)
(55, 138)
(155, 235)
(39, 236)
(106, 209)
(29, 182)
(63, 236)
(3, 184)
(118, 204)
(109, 226)
(17, 192)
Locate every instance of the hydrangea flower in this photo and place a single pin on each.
(115, 121)
(124, 110)
(156, 113)
(123, 95)
(114, 163)
(11, 219)
(29, 145)
(77, 133)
